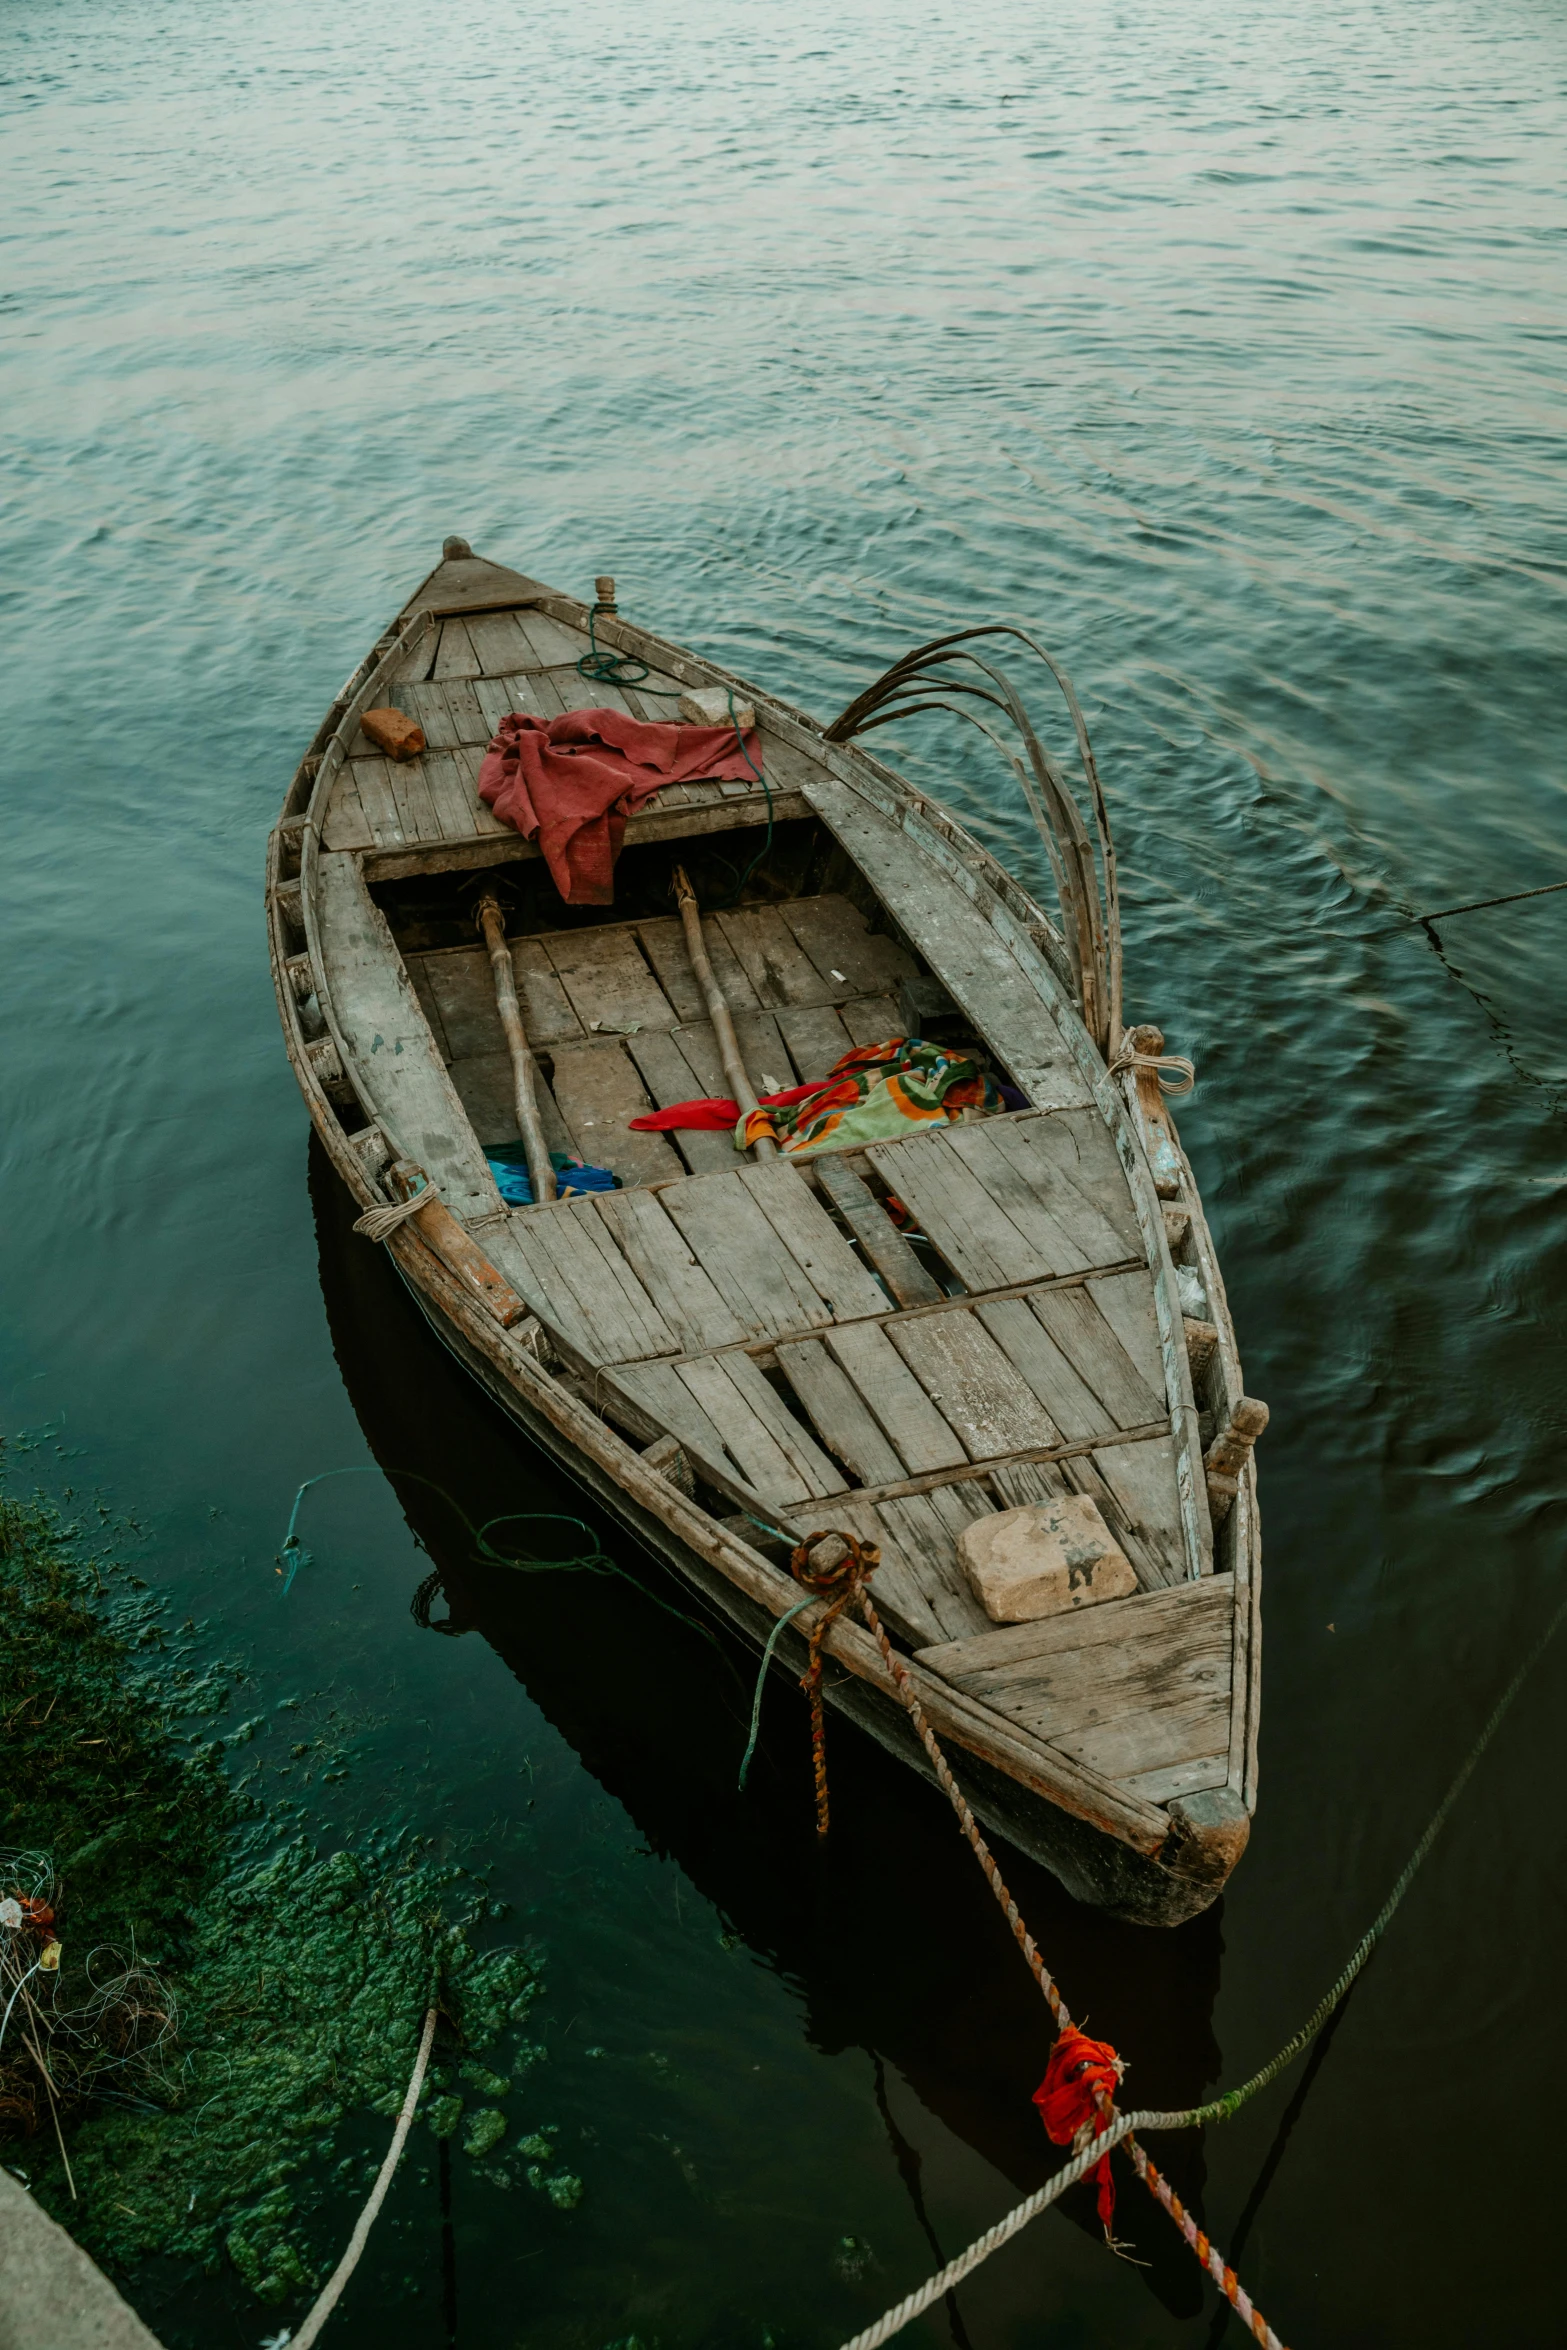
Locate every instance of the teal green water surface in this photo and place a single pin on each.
(1225, 347)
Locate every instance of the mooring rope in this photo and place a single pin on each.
(1158, 1062)
(331, 2291)
(1116, 2126)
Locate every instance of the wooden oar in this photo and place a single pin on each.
(524, 1068)
(717, 1008)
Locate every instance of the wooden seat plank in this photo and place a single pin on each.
(598, 1092)
(839, 1412)
(976, 1388)
(395, 1057)
(1083, 1335)
(662, 1261)
(966, 954)
(975, 1235)
(919, 1435)
(849, 957)
(750, 1265)
(813, 1239)
(606, 978)
(667, 1075)
(873, 1228)
(771, 955)
(1026, 1341)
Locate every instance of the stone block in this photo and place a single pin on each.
(1043, 1560)
(708, 705)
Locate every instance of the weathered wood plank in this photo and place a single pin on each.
(395, 1059)
(764, 1052)
(498, 643)
(839, 1412)
(1072, 1405)
(667, 1075)
(552, 643)
(379, 802)
(419, 980)
(470, 727)
(415, 808)
(486, 1085)
(1126, 1302)
(976, 1388)
(1140, 1741)
(872, 1019)
(814, 1241)
(461, 982)
(756, 1273)
(771, 956)
(923, 1530)
(346, 826)
(1182, 1778)
(1078, 1148)
(683, 1292)
(817, 1039)
(451, 795)
(850, 958)
(1017, 1184)
(456, 657)
(598, 1091)
(771, 1466)
(497, 697)
(1142, 1479)
(626, 1323)
(606, 979)
(975, 1235)
(972, 962)
(873, 1228)
(667, 1399)
(664, 944)
(896, 1588)
(919, 1434)
(1083, 1335)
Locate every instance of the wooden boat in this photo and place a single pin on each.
(732, 1353)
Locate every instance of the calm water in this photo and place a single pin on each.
(1225, 346)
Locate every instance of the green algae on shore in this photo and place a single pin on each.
(288, 1986)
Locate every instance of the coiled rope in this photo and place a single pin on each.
(1185, 1070)
(381, 1223)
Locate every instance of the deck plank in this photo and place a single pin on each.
(849, 957)
(975, 1386)
(918, 1433)
(769, 1465)
(1020, 1191)
(1078, 1328)
(873, 1019)
(755, 1272)
(923, 1529)
(816, 1037)
(973, 1232)
(892, 1255)
(661, 1392)
(1027, 1342)
(606, 979)
(372, 781)
(839, 1412)
(571, 1241)
(1070, 1163)
(684, 1294)
(598, 1091)
(771, 956)
(813, 1240)
(452, 795)
(666, 1073)
(456, 657)
(346, 826)
(498, 643)
(1127, 1304)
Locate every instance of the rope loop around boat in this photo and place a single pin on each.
(381, 1223)
(1185, 1070)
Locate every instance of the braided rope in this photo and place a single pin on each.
(381, 1223)
(915, 2303)
(1186, 1070)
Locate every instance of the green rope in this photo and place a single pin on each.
(1222, 2108)
(761, 1678)
(613, 668)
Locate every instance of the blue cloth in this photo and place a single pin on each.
(509, 1166)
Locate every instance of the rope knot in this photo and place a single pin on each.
(834, 1567)
(1185, 1070)
(1076, 2102)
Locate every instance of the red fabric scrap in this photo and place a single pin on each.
(714, 1113)
(1078, 2070)
(571, 783)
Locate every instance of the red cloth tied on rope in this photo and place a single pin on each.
(1078, 2070)
(572, 782)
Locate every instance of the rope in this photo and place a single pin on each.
(1158, 1062)
(331, 2292)
(761, 1679)
(381, 1223)
(612, 668)
(915, 2304)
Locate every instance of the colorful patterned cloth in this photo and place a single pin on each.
(874, 1094)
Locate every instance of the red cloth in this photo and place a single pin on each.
(714, 1113)
(1079, 2067)
(572, 782)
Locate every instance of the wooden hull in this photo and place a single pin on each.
(1123, 1757)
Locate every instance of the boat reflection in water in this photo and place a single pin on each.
(889, 1933)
